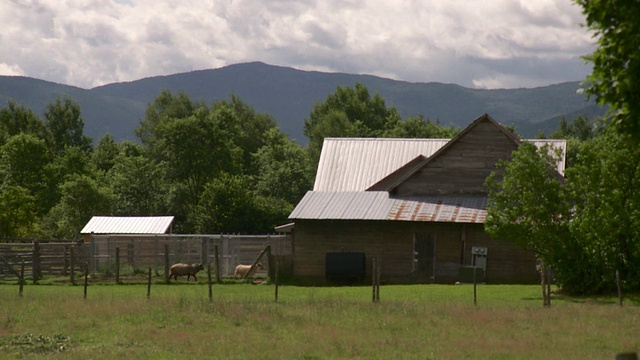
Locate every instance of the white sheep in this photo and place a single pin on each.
(241, 270)
(185, 269)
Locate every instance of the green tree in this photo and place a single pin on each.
(16, 119)
(284, 168)
(576, 132)
(81, 198)
(200, 147)
(72, 161)
(228, 205)
(527, 205)
(24, 162)
(105, 153)
(17, 211)
(253, 126)
(348, 112)
(605, 192)
(165, 106)
(580, 128)
(616, 64)
(138, 186)
(65, 126)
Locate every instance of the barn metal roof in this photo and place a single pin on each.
(355, 164)
(379, 205)
(128, 225)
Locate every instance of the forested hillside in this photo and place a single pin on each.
(288, 95)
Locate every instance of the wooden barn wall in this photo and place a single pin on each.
(392, 243)
(463, 168)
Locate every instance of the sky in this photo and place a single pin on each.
(484, 44)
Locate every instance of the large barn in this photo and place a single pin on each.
(416, 205)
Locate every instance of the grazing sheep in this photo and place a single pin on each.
(185, 269)
(241, 270)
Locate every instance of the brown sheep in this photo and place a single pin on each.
(241, 270)
(185, 269)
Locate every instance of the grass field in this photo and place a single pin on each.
(244, 321)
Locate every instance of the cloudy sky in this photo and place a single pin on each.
(481, 44)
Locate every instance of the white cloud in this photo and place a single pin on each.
(494, 43)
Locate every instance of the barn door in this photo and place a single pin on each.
(424, 250)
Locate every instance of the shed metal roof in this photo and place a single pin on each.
(378, 205)
(355, 164)
(128, 225)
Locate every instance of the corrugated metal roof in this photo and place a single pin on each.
(378, 205)
(128, 225)
(355, 164)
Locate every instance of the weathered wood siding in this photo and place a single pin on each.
(463, 167)
(392, 243)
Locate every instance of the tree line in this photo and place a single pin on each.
(218, 168)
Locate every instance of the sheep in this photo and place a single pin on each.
(242, 270)
(185, 269)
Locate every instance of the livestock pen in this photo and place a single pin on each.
(140, 252)
(45, 258)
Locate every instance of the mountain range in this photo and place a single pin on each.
(289, 94)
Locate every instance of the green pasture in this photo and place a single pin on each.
(245, 322)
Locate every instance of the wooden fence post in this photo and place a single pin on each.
(378, 280)
(277, 275)
(65, 264)
(543, 282)
(149, 285)
(35, 266)
(86, 278)
(475, 283)
(21, 278)
(548, 277)
(217, 263)
(117, 265)
(264, 251)
(72, 261)
(270, 263)
(166, 263)
(209, 282)
(374, 269)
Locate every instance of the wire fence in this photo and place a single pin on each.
(140, 252)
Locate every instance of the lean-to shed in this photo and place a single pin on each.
(129, 225)
(417, 205)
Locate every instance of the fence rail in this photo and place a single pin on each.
(41, 258)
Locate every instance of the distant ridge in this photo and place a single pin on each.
(288, 95)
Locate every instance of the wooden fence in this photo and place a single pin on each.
(141, 252)
(137, 253)
(41, 258)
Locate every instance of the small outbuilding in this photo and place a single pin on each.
(127, 225)
(416, 205)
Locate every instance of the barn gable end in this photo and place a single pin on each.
(458, 168)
